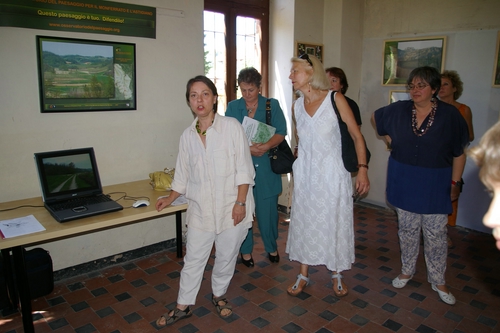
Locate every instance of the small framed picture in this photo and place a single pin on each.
(401, 56)
(398, 95)
(308, 48)
(496, 70)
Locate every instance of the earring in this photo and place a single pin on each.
(309, 87)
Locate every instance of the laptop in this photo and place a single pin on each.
(70, 184)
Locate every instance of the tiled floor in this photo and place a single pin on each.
(130, 297)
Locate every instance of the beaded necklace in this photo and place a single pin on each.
(420, 132)
(204, 133)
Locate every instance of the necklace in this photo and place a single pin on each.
(250, 110)
(420, 132)
(204, 133)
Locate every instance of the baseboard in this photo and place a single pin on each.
(116, 259)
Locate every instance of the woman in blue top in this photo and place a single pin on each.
(267, 184)
(426, 163)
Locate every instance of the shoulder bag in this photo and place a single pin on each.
(281, 157)
(162, 180)
(349, 156)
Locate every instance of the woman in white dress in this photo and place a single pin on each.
(321, 223)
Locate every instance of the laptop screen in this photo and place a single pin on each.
(68, 174)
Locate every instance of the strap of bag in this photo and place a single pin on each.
(268, 112)
(332, 96)
(271, 153)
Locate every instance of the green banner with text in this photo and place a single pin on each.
(94, 16)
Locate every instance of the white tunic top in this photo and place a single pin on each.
(209, 178)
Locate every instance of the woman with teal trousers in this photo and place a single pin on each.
(267, 184)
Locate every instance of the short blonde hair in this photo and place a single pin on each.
(318, 78)
(487, 155)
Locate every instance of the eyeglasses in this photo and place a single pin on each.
(305, 56)
(418, 86)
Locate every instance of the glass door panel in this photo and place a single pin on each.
(215, 54)
(248, 51)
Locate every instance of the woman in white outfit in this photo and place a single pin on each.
(321, 228)
(214, 171)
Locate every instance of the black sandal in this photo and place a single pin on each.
(177, 315)
(225, 306)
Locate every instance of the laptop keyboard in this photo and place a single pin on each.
(77, 202)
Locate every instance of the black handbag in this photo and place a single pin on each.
(281, 156)
(349, 156)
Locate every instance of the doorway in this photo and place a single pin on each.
(236, 35)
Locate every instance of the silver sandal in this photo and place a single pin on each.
(338, 291)
(298, 286)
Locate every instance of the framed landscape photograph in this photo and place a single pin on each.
(496, 71)
(85, 75)
(398, 95)
(311, 49)
(401, 56)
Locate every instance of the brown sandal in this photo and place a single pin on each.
(224, 306)
(299, 285)
(177, 314)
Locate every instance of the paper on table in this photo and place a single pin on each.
(257, 131)
(20, 226)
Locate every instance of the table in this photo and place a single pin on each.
(55, 230)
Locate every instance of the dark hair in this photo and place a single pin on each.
(208, 82)
(429, 75)
(250, 75)
(455, 82)
(339, 73)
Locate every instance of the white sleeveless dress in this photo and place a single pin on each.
(321, 230)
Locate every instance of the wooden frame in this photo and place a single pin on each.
(398, 95)
(308, 48)
(401, 56)
(496, 70)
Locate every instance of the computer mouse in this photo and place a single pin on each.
(140, 203)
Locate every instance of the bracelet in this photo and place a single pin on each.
(240, 203)
(457, 183)
(362, 166)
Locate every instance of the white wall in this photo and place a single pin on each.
(343, 39)
(471, 29)
(128, 145)
(281, 49)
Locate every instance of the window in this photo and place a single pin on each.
(236, 36)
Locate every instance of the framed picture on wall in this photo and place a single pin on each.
(401, 56)
(85, 75)
(308, 48)
(496, 71)
(398, 95)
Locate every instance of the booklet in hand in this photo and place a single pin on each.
(256, 131)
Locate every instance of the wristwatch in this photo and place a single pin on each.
(457, 183)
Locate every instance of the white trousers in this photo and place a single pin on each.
(198, 248)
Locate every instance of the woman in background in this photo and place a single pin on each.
(424, 171)
(338, 82)
(487, 157)
(451, 90)
(214, 170)
(267, 184)
(321, 230)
